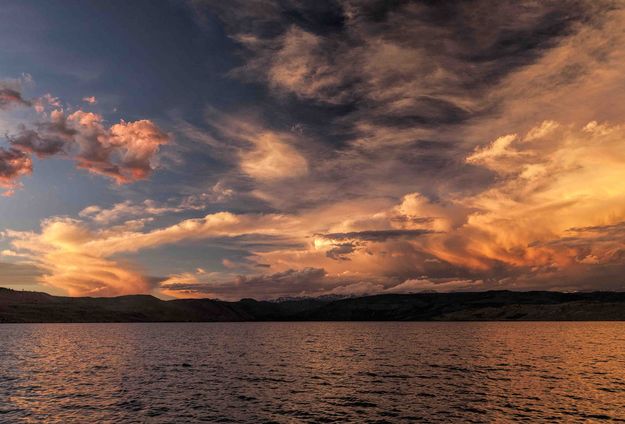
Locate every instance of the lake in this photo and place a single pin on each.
(312, 372)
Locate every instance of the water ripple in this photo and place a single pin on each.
(312, 372)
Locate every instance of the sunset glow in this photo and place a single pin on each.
(350, 148)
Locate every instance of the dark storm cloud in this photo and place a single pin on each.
(376, 235)
(366, 82)
(259, 287)
(340, 251)
(426, 111)
(436, 57)
(48, 139)
(259, 242)
(618, 228)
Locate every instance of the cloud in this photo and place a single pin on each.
(124, 152)
(376, 235)
(551, 210)
(403, 146)
(46, 101)
(301, 65)
(129, 209)
(10, 98)
(13, 164)
(421, 285)
(90, 99)
(125, 210)
(340, 251)
(401, 64)
(554, 178)
(553, 181)
(19, 274)
(79, 259)
(306, 282)
(266, 155)
(360, 288)
(296, 282)
(273, 158)
(47, 138)
(377, 91)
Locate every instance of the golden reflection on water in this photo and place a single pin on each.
(311, 372)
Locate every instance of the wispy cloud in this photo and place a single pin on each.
(128, 209)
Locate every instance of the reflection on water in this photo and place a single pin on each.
(312, 372)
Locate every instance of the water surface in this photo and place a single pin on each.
(312, 372)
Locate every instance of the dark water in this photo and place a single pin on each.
(312, 372)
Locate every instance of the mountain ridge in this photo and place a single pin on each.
(39, 307)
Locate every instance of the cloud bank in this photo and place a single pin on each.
(124, 152)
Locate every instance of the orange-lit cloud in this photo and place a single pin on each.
(266, 155)
(13, 164)
(125, 152)
(78, 259)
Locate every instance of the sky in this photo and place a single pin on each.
(271, 149)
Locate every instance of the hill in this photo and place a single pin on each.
(20, 306)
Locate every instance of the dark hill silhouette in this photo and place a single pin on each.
(21, 306)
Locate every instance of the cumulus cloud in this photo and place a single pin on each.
(47, 138)
(538, 219)
(13, 164)
(10, 98)
(557, 204)
(90, 99)
(124, 152)
(553, 182)
(45, 102)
